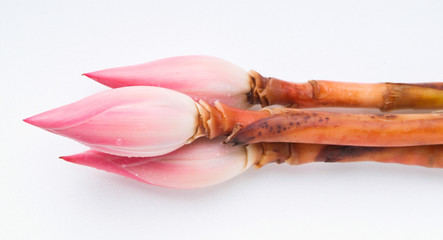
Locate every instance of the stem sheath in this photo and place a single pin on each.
(220, 119)
(318, 93)
(299, 153)
(376, 130)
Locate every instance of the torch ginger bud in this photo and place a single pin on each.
(130, 121)
(200, 164)
(201, 77)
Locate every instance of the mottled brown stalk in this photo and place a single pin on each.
(317, 93)
(304, 126)
(299, 153)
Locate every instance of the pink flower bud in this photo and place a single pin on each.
(201, 77)
(200, 164)
(131, 121)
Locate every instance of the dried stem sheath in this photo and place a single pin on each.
(299, 153)
(379, 130)
(384, 96)
(221, 119)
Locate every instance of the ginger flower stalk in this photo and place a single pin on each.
(208, 162)
(212, 79)
(146, 121)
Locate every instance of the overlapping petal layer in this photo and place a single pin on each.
(200, 164)
(131, 121)
(201, 77)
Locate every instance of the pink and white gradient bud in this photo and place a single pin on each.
(131, 121)
(200, 164)
(200, 77)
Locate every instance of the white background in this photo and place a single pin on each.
(45, 46)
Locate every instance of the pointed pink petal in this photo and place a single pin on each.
(201, 77)
(200, 164)
(130, 121)
(102, 161)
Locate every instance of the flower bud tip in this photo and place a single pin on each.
(32, 120)
(100, 161)
(89, 75)
(67, 159)
(26, 120)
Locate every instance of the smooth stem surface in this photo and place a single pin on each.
(299, 153)
(384, 96)
(377, 130)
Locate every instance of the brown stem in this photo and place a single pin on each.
(299, 153)
(384, 96)
(304, 126)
